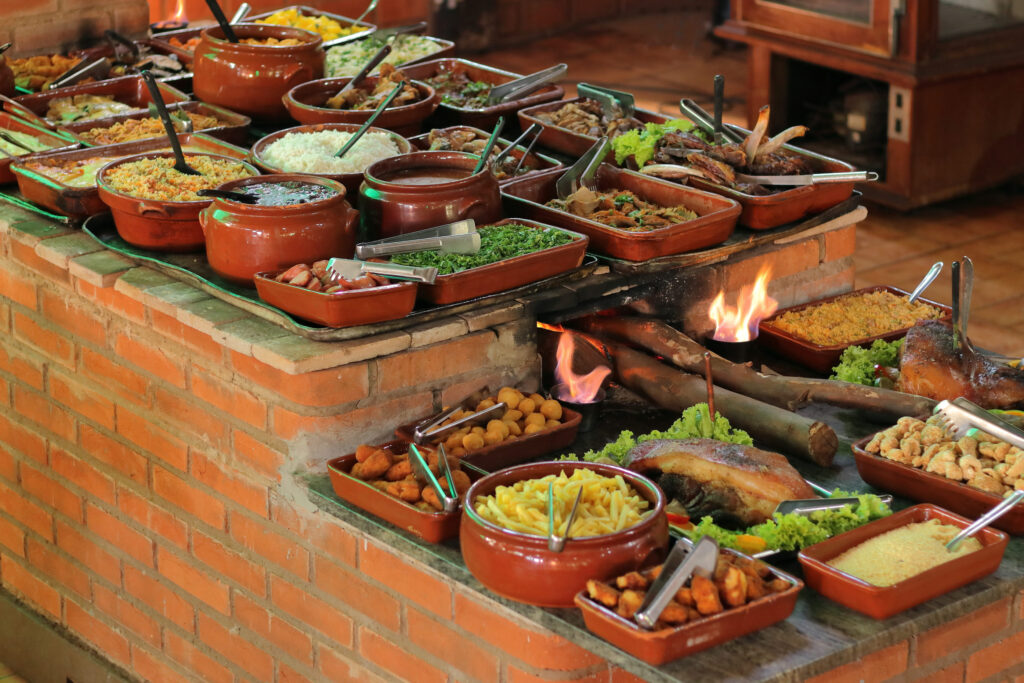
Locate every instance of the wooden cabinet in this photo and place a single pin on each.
(949, 75)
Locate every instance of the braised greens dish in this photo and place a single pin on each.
(497, 243)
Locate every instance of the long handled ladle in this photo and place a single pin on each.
(369, 122)
(228, 194)
(489, 146)
(225, 25)
(929, 278)
(986, 519)
(337, 100)
(180, 164)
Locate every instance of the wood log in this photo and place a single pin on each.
(787, 392)
(771, 426)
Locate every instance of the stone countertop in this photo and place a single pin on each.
(819, 636)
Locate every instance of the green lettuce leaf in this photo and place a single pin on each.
(640, 143)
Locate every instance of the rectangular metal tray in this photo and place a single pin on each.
(539, 162)
(13, 123)
(307, 11)
(234, 128)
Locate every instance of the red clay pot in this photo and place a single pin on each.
(389, 208)
(305, 104)
(251, 79)
(6, 79)
(520, 567)
(154, 224)
(245, 239)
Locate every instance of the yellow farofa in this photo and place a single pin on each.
(608, 504)
(155, 178)
(851, 318)
(328, 28)
(903, 552)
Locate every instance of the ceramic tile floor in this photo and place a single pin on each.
(662, 57)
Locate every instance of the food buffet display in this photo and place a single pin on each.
(274, 211)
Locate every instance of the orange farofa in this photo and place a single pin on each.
(156, 178)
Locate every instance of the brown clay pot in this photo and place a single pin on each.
(251, 79)
(245, 239)
(389, 208)
(305, 104)
(351, 181)
(6, 78)
(154, 224)
(520, 567)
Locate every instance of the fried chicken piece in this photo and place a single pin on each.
(602, 593)
(363, 452)
(407, 489)
(430, 496)
(462, 482)
(684, 596)
(733, 587)
(373, 467)
(629, 603)
(778, 585)
(674, 614)
(705, 595)
(632, 581)
(402, 469)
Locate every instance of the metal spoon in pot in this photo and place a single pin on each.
(228, 194)
(369, 122)
(986, 519)
(225, 25)
(369, 8)
(337, 100)
(180, 164)
(929, 278)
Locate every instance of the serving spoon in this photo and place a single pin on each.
(225, 25)
(986, 519)
(556, 543)
(337, 100)
(369, 122)
(180, 164)
(228, 194)
(369, 8)
(928, 278)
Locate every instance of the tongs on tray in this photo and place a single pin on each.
(583, 173)
(556, 543)
(808, 178)
(350, 268)
(533, 133)
(683, 562)
(610, 99)
(805, 507)
(99, 69)
(386, 34)
(705, 121)
(431, 429)
(459, 237)
(963, 418)
(448, 502)
(525, 85)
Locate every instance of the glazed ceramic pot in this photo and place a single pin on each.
(158, 225)
(390, 205)
(251, 79)
(520, 567)
(245, 239)
(351, 181)
(306, 104)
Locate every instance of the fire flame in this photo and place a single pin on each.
(740, 324)
(177, 18)
(582, 388)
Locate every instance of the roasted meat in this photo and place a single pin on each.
(930, 366)
(745, 481)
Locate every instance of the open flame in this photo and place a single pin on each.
(740, 324)
(581, 388)
(176, 19)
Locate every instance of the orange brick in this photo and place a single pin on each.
(45, 341)
(320, 388)
(365, 423)
(23, 439)
(186, 654)
(25, 511)
(37, 407)
(149, 357)
(8, 466)
(76, 320)
(113, 300)
(243, 405)
(516, 675)
(354, 592)
(399, 661)
(286, 674)
(259, 538)
(995, 658)
(18, 580)
(451, 646)
(111, 643)
(152, 517)
(840, 243)
(152, 438)
(153, 667)
(323, 532)
(938, 642)
(236, 648)
(161, 599)
(86, 551)
(203, 343)
(225, 562)
(126, 614)
(129, 541)
(334, 667)
(954, 673)
(435, 362)
(273, 628)
(309, 609)
(114, 454)
(5, 315)
(788, 260)
(82, 475)
(27, 255)
(189, 416)
(541, 650)
(622, 676)
(86, 402)
(876, 666)
(250, 496)
(396, 573)
(193, 580)
(186, 496)
(56, 567)
(17, 289)
(257, 455)
(26, 369)
(12, 537)
(126, 383)
(50, 492)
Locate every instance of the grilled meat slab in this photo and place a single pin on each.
(931, 367)
(744, 481)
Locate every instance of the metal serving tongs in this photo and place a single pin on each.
(459, 237)
(387, 34)
(120, 44)
(556, 543)
(533, 132)
(526, 84)
(682, 563)
(610, 99)
(966, 289)
(431, 429)
(99, 69)
(705, 121)
(349, 269)
(583, 173)
(808, 178)
(807, 506)
(962, 418)
(448, 502)
(241, 13)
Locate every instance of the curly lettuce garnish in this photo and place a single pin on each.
(640, 143)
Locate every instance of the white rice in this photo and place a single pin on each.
(314, 152)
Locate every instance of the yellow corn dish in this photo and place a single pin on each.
(608, 505)
(328, 28)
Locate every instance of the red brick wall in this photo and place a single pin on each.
(40, 26)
